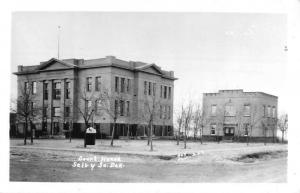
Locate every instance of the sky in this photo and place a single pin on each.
(208, 51)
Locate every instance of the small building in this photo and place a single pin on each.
(57, 87)
(235, 114)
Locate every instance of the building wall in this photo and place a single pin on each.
(78, 81)
(238, 98)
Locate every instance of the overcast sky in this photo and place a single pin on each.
(207, 51)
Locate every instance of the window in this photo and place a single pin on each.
(122, 107)
(56, 111)
(88, 105)
(161, 91)
(127, 108)
(264, 110)
(116, 107)
(170, 91)
(97, 106)
(229, 110)
(56, 90)
(26, 88)
(165, 92)
(89, 84)
(68, 90)
(269, 111)
(166, 112)
(67, 111)
(213, 110)
(169, 112)
(45, 110)
(122, 85)
(150, 88)
(33, 87)
(154, 89)
(117, 84)
(32, 107)
(213, 129)
(128, 85)
(274, 112)
(246, 110)
(45, 91)
(98, 83)
(160, 111)
(145, 87)
(246, 129)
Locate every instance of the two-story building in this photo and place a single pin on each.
(234, 113)
(57, 87)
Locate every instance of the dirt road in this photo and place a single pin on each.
(59, 166)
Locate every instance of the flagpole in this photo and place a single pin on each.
(58, 39)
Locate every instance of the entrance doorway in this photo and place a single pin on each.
(228, 131)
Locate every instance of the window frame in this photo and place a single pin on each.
(247, 113)
(45, 91)
(33, 87)
(57, 91)
(88, 84)
(117, 84)
(213, 110)
(68, 90)
(67, 112)
(213, 127)
(54, 112)
(122, 85)
(98, 83)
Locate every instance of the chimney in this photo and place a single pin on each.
(20, 68)
(172, 73)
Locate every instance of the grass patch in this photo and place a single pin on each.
(258, 156)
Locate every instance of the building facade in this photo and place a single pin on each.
(234, 114)
(58, 86)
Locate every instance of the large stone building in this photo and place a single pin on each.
(237, 114)
(58, 86)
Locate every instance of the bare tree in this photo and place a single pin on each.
(180, 122)
(150, 113)
(188, 112)
(254, 120)
(282, 124)
(87, 106)
(27, 110)
(112, 105)
(240, 123)
(197, 121)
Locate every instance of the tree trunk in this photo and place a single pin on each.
(113, 133)
(128, 131)
(201, 134)
(151, 145)
(70, 132)
(148, 132)
(178, 136)
(25, 131)
(31, 133)
(282, 136)
(185, 138)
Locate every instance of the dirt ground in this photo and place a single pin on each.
(212, 162)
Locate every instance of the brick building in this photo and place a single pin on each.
(237, 114)
(58, 84)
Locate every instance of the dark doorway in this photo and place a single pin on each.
(228, 131)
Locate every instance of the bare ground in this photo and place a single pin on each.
(216, 163)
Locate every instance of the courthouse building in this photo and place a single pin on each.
(237, 114)
(57, 87)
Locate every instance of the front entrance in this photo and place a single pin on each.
(228, 131)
